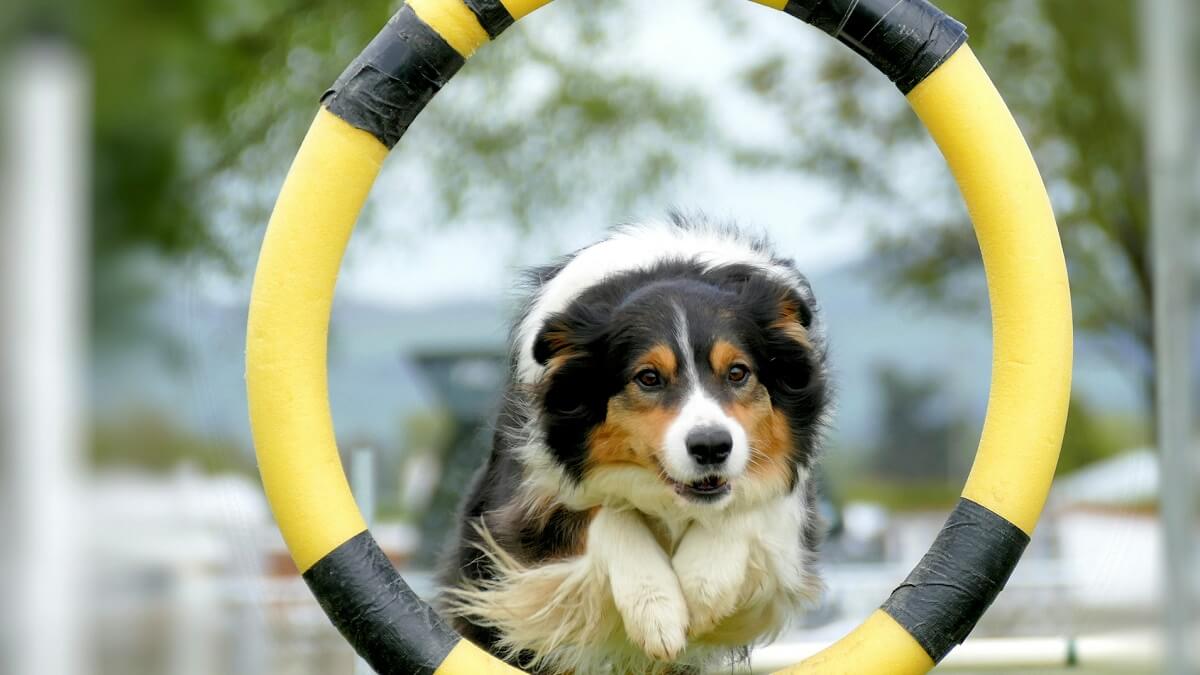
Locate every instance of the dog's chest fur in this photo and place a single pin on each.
(561, 615)
(580, 550)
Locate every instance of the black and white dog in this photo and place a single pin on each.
(647, 506)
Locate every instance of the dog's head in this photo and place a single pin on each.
(707, 381)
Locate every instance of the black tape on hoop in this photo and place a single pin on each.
(492, 15)
(970, 561)
(376, 611)
(905, 39)
(391, 81)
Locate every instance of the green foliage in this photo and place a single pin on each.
(586, 135)
(200, 103)
(427, 430)
(1075, 87)
(920, 429)
(1092, 436)
(151, 442)
(924, 443)
(1072, 80)
(908, 469)
(902, 496)
(181, 101)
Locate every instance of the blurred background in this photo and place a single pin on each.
(144, 143)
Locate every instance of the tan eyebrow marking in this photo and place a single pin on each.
(661, 358)
(724, 354)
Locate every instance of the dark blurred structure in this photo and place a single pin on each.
(469, 384)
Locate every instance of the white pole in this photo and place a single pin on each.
(42, 260)
(1171, 137)
(192, 644)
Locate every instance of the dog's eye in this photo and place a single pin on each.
(738, 373)
(648, 378)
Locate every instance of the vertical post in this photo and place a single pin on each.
(252, 639)
(193, 621)
(1171, 137)
(362, 484)
(42, 339)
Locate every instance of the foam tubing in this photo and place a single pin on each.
(367, 111)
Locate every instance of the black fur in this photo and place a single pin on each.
(606, 327)
(590, 349)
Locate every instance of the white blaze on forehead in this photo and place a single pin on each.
(627, 250)
(699, 411)
(684, 342)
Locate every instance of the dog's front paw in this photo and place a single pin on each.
(711, 575)
(654, 613)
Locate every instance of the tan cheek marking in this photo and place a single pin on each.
(630, 435)
(724, 354)
(769, 434)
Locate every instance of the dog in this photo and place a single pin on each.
(648, 505)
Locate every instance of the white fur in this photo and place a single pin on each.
(700, 410)
(641, 593)
(711, 565)
(644, 587)
(662, 576)
(623, 486)
(629, 249)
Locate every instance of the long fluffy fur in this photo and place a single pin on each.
(542, 567)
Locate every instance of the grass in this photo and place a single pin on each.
(918, 496)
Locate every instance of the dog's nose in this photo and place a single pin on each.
(709, 445)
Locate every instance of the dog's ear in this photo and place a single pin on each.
(562, 346)
(794, 318)
(789, 342)
(795, 308)
(570, 392)
(557, 340)
(569, 334)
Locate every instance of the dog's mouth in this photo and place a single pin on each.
(707, 489)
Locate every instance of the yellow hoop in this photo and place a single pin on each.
(297, 272)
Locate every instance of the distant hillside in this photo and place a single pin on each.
(373, 387)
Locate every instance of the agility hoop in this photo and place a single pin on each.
(924, 52)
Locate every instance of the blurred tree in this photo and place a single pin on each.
(919, 449)
(150, 441)
(1070, 73)
(1092, 436)
(919, 428)
(200, 102)
(425, 436)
